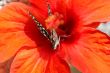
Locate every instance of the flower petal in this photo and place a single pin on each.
(13, 20)
(59, 6)
(90, 11)
(39, 4)
(90, 53)
(80, 11)
(39, 9)
(35, 61)
(4, 67)
(13, 12)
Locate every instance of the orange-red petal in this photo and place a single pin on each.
(41, 7)
(5, 66)
(90, 11)
(83, 11)
(77, 13)
(13, 20)
(38, 61)
(90, 53)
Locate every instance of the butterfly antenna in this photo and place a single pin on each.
(40, 27)
(49, 8)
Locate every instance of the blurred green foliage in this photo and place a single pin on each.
(74, 70)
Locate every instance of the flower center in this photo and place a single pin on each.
(52, 24)
(54, 21)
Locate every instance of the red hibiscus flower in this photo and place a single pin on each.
(74, 21)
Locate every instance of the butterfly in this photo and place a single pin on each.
(53, 36)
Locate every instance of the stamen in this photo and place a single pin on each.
(54, 21)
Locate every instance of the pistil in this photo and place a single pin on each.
(54, 21)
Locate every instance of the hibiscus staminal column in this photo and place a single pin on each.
(52, 23)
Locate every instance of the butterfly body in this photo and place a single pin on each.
(52, 37)
(55, 39)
